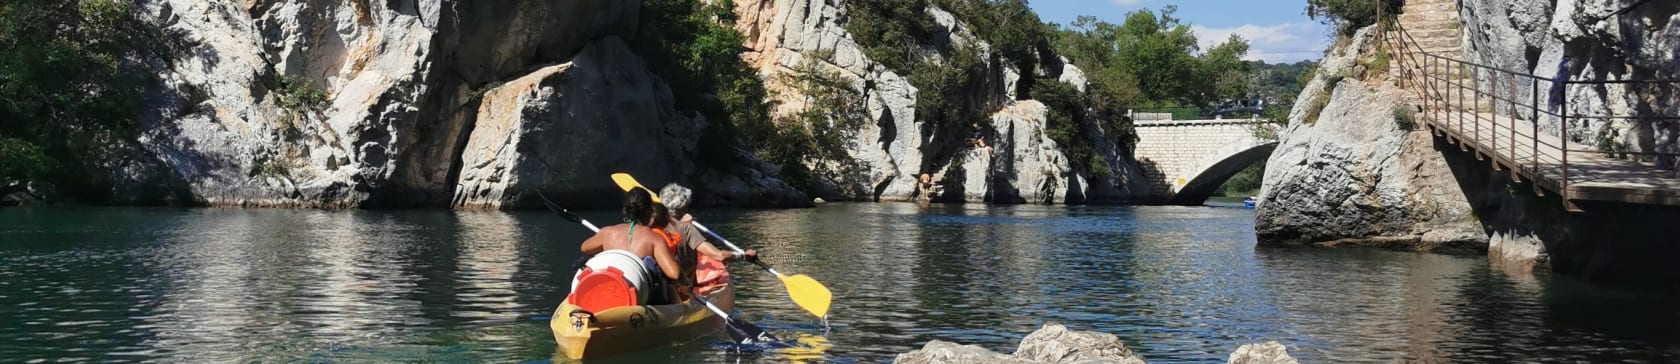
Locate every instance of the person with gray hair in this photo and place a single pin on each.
(677, 199)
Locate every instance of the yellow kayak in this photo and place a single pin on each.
(633, 328)
(583, 334)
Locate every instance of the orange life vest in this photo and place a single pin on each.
(671, 239)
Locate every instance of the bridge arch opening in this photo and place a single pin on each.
(1216, 171)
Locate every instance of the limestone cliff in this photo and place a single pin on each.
(1347, 171)
(895, 148)
(473, 104)
(1357, 176)
(412, 103)
(1603, 41)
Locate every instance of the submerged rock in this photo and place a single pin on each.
(1056, 344)
(1270, 352)
(1051, 344)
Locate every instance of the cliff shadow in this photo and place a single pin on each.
(1607, 244)
(955, 184)
(1156, 180)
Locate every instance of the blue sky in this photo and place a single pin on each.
(1277, 30)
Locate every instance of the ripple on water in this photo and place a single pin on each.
(1179, 284)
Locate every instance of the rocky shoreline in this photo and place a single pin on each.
(1055, 343)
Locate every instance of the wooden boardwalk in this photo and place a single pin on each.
(1510, 144)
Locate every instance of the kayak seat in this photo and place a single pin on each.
(599, 290)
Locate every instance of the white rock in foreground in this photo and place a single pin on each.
(1270, 352)
(1051, 344)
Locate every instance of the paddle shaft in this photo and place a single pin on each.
(732, 246)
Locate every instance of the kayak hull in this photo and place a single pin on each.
(584, 335)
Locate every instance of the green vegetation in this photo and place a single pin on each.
(1317, 103)
(1605, 141)
(1066, 125)
(1321, 97)
(1404, 117)
(1347, 16)
(299, 99)
(1245, 183)
(1376, 64)
(269, 167)
(1158, 50)
(1281, 82)
(1148, 48)
(695, 49)
(820, 134)
(890, 31)
(69, 88)
(898, 33)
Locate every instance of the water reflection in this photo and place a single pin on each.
(1179, 284)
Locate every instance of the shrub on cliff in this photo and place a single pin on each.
(694, 47)
(1347, 16)
(820, 133)
(1066, 125)
(71, 77)
(890, 31)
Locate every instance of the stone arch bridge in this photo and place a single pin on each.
(1185, 161)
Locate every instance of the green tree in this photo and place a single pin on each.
(1223, 74)
(1347, 16)
(694, 47)
(71, 77)
(891, 31)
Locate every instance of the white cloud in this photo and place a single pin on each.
(1287, 42)
(1126, 2)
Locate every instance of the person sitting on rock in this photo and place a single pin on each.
(979, 139)
(637, 237)
(924, 187)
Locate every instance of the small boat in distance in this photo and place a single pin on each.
(1248, 203)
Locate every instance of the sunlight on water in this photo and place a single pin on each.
(1178, 284)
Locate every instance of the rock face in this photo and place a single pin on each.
(1270, 352)
(1355, 176)
(545, 131)
(894, 149)
(341, 104)
(1022, 165)
(1051, 344)
(312, 103)
(1604, 41)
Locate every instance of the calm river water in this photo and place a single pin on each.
(1178, 284)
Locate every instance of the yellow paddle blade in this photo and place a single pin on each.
(626, 182)
(808, 294)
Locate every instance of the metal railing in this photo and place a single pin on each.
(1498, 112)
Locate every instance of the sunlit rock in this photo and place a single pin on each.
(1270, 352)
(1051, 344)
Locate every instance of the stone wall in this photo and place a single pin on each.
(1182, 155)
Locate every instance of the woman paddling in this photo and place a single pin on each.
(636, 238)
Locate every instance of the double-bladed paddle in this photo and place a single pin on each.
(744, 333)
(805, 291)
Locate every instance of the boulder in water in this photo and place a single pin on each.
(1052, 344)
(1270, 352)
